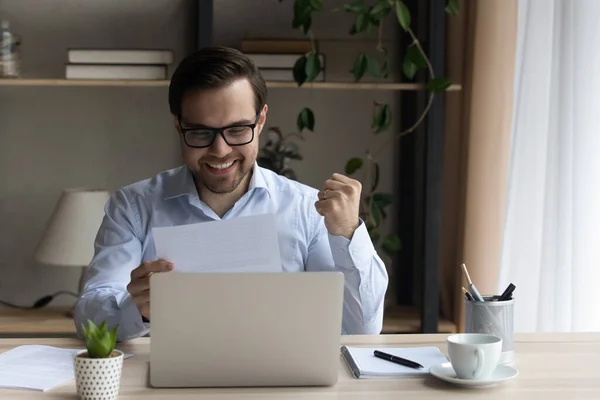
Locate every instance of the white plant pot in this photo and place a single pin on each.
(98, 378)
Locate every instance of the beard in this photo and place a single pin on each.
(223, 184)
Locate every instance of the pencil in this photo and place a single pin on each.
(472, 288)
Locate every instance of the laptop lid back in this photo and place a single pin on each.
(246, 329)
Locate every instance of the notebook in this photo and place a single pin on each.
(364, 364)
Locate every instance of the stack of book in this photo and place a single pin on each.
(118, 64)
(276, 58)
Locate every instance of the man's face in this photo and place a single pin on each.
(221, 168)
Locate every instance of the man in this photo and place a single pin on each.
(218, 100)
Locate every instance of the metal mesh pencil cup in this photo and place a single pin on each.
(494, 318)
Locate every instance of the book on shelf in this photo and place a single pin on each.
(284, 75)
(279, 46)
(119, 56)
(108, 72)
(266, 60)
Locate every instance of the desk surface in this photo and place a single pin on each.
(44, 322)
(552, 366)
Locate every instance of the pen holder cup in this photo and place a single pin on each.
(494, 318)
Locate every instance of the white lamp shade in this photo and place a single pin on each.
(71, 231)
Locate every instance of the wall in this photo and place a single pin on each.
(55, 137)
(488, 97)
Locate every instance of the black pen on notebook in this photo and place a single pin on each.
(396, 359)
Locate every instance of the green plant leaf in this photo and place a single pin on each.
(356, 7)
(375, 236)
(403, 15)
(452, 7)
(376, 214)
(361, 23)
(382, 119)
(313, 66)
(373, 67)
(409, 69)
(375, 176)
(102, 329)
(302, 15)
(438, 84)
(387, 63)
(382, 200)
(380, 10)
(360, 66)
(316, 5)
(299, 70)
(391, 244)
(98, 341)
(306, 119)
(353, 165)
(413, 61)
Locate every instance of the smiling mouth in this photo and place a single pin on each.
(221, 168)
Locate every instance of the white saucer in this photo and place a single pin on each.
(446, 373)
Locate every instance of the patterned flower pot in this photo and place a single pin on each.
(98, 378)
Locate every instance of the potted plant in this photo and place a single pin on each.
(98, 368)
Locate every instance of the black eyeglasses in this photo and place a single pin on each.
(234, 135)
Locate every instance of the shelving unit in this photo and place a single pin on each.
(424, 253)
(165, 83)
(404, 319)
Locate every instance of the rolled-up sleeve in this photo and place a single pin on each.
(365, 276)
(118, 250)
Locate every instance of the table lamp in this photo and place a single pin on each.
(69, 236)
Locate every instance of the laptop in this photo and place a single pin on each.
(245, 329)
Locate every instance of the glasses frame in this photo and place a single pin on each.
(216, 131)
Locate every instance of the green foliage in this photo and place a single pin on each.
(313, 66)
(452, 7)
(438, 84)
(413, 61)
(360, 66)
(98, 340)
(303, 10)
(276, 153)
(382, 119)
(368, 15)
(403, 15)
(306, 68)
(353, 165)
(299, 70)
(391, 244)
(305, 120)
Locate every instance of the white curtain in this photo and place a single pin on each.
(551, 239)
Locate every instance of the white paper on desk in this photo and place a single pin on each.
(243, 244)
(34, 367)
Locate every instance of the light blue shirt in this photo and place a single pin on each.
(124, 241)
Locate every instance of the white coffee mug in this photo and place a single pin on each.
(474, 356)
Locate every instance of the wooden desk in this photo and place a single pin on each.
(552, 366)
(39, 323)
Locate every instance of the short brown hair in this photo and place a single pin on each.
(212, 68)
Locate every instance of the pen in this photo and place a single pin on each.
(396, 359)
(507, 294)
(467, 294)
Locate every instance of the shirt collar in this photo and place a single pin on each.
(182, 183)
